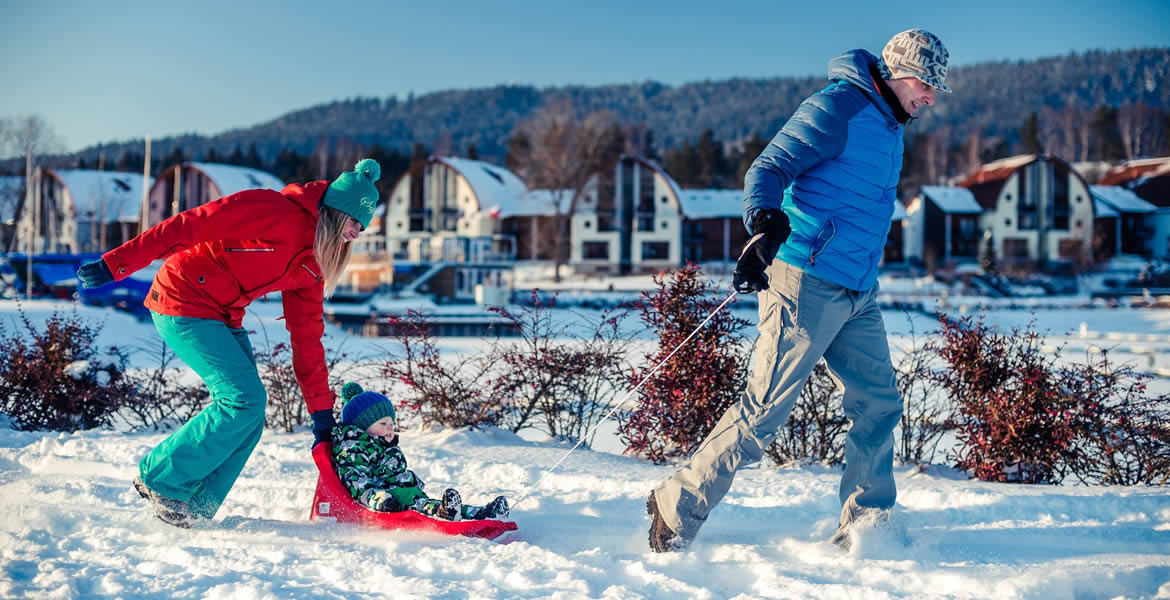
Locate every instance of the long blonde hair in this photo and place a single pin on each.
(330, 248)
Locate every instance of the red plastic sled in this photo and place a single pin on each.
(332, 502)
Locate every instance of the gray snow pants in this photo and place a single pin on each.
(802, 318)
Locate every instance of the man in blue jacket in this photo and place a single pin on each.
(818, 202)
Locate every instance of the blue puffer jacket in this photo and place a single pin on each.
(833, 168)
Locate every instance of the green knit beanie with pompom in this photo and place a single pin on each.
(354, 192)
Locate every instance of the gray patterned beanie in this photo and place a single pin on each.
(916, 53)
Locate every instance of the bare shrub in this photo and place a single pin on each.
(157, 399)
(286, 404)
(816, 428)
(557, 379)
(454, 393)
(927, 413)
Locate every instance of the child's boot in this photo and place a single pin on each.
(451, 507)
(496, 509)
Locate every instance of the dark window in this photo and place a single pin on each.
(655, 250)
(1015, 248)
(596, 250)
(1060, 207)
(645, 223)
(1026, 209)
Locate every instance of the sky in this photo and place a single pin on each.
(120, 70)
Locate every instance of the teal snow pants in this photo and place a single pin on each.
(200, 462)
(802, 319)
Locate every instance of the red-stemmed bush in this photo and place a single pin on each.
(680, 403)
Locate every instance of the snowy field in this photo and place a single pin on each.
(73, 527)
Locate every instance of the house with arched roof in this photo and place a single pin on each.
(1036, 208)
(78, 210)
(449, 216)
(191, 184)
(628, 219)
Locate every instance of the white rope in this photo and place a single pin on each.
(622, 401)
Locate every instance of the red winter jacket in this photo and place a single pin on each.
(225, 254)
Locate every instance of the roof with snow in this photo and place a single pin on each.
(1136, 169)
(535, 203)
(998, 170)
(955, 200)
(119, 193)
(494, 187)
(711, 204)
(1120, 199)
(231, 178)
(1102, 210)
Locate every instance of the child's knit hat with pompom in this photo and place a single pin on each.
(363, 408)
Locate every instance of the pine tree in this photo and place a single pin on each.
(236, 157)
(1030, 135)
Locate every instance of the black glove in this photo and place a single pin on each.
(94, 274)
(323, 424)
(771, 229)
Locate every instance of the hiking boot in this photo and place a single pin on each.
(662, 538)
(168, 510)
(451, 507)
(496, 509)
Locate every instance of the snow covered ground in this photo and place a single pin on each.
(73, 527)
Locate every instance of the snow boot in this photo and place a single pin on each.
(168, 510)
(451, 507)
(855, 518)
(496, 509)
(662, 538)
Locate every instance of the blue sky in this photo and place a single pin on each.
(116, 70)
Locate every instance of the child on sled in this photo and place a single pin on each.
(373, 468)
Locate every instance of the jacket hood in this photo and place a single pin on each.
(307, 196)
(853, 67)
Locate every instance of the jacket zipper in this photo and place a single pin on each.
(315, 276)
(249, 249)
(813, 258)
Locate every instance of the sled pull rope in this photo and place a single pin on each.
(589, 433)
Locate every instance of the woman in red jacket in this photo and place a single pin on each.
(220, 257)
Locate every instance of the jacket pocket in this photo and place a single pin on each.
(826, 235)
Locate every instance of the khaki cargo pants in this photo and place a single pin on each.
(802, 318)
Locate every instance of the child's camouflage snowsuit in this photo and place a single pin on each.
(374, 471)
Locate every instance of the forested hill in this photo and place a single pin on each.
(993, 98)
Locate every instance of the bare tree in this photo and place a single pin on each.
(1051, 134)
(936, 154)
(559, 151)
(1142, 129)
(32, 135)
